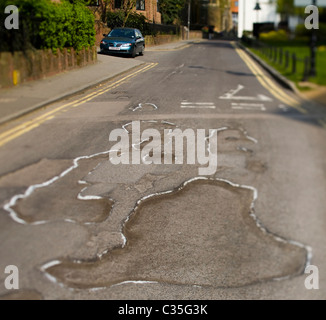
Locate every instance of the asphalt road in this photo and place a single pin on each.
(78, 226)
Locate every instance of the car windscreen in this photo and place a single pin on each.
(122, 33)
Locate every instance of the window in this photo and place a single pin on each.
(140, 4)
(138, 34)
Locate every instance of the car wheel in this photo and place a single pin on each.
(133, 54)
(141, 53)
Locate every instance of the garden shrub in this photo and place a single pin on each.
(47, 25)
(274, 36)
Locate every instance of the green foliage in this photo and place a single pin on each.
(115, 18)
(274, 36)
(286, 8)
(302, 33)
(48, 25)
(301, 52)
(171, 10)
(135, 20)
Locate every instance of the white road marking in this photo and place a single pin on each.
(231, 95)
(248, 106)
(197, 105)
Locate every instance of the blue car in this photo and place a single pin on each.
(123, 40)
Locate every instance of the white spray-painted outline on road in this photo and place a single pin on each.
(13, 201)
(140, 106)
(32, 188)
(252, 214)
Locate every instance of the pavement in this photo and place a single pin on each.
(316, 93)
(26, 97)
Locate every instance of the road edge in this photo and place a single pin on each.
(275, 74)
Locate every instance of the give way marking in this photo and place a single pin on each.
(231, 95)
(248, 106)
(197, 105)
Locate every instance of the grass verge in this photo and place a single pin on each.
(301, 52)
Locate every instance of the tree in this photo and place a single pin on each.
(104, 5)
(100, 8)
(171, 10)
(287, 8)
(135, 20)
(127, 6)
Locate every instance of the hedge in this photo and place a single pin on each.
(301, 32)
(48, 25)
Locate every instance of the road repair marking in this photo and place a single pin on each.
(248, 106)
(197, 105)
(27, 126)
(268, 84)
(231, 95)
(140, 106)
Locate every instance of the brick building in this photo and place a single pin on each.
(219, 15)
(235, 12)
(149, 8)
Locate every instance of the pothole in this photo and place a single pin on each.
(60, 198)
(204, 233)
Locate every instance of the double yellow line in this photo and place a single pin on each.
(268, 84)
(27, 126)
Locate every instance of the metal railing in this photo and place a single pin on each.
(284, 58)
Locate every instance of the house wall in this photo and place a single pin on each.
(248, 16)
(219, 15)
(150, 11)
